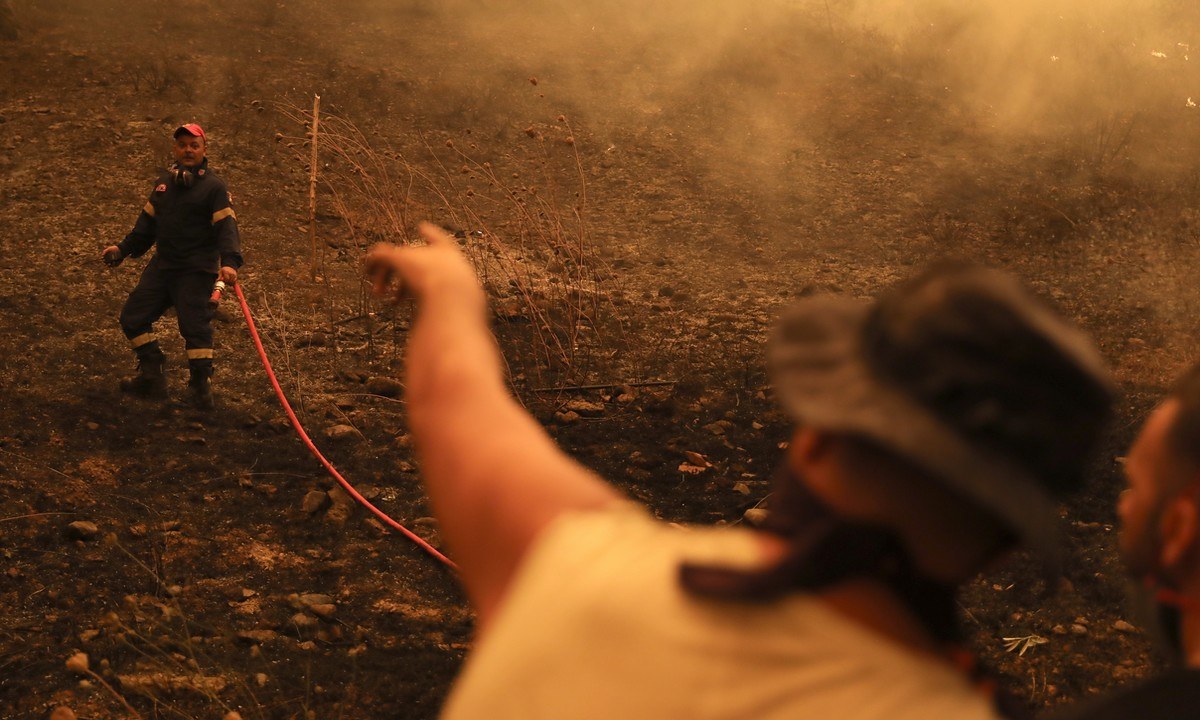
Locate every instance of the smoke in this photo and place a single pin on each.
(757, 85)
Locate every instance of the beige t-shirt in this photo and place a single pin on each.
(596, 626)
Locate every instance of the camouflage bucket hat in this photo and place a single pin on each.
(966, 374)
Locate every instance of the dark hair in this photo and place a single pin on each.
(985, 368)
(1183, 438)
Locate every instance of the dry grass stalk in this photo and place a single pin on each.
(312, 184)
(535, 258)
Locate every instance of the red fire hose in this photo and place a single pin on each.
(262, 355)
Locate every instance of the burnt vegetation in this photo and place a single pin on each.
(641, 195)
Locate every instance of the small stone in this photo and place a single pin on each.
(232, 715)
(90, 426)
(353, 376)
(309, 599)
(741, 488)
(323, 610)
(1078, 629)
(304, 621)
(585, 408)
(341, 506)
(255, 637)
(1125, 627)
(82, 530)
(567, 418)
(314, 501)
(78, 663)
(62, 712)
(341, 432)
(261, 679)
(755, 516)
(1059, 630)
(385, 386)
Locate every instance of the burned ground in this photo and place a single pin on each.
(640, 219)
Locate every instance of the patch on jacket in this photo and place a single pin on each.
(162, 187)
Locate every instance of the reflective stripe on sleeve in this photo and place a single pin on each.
(149, 209)
(140, 340)
(199, 353)
(220, 215)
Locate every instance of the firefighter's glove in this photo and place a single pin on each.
(113, 256)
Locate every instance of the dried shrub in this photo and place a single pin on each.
(528, 240)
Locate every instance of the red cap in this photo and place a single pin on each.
(191, 129)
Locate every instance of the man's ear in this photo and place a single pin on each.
(1179, 529)
(808, 445)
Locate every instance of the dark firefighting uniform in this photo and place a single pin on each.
(190, 218)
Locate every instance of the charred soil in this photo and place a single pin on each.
(204, 562)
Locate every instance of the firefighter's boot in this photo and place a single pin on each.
(149, 381)
(200, 394)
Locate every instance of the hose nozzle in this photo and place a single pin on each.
(218, 290)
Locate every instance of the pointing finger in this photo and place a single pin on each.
(434, 235)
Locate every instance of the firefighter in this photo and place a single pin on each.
(190, 217)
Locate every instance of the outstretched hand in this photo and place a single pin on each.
(437, 272)
(494, 478)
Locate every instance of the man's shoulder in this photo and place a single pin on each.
(162, 182)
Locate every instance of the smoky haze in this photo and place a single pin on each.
(912, 126)
(754, 86)
(760, 81)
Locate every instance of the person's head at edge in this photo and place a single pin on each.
(953, 413)
(190, 147)
(1160, 508)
